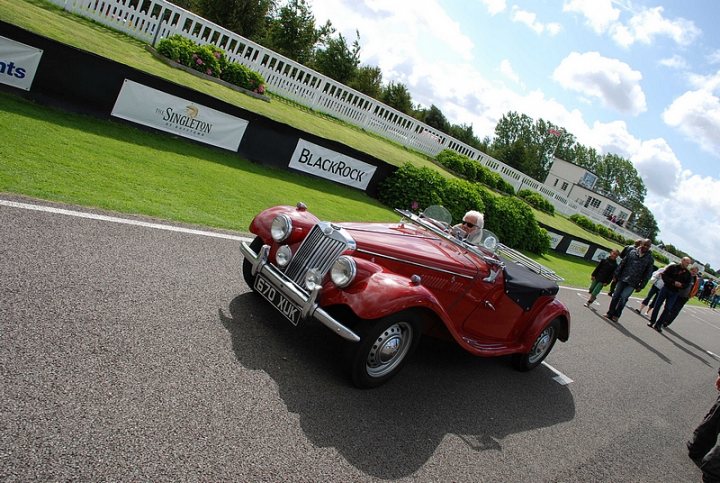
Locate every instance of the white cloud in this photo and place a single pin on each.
(507, 70)
(658, 166)
(696, 114)
(714, 57)
(611, 81)
(599, 14)
(674, 62)
(530, 19)
(494, 7)
(644, 26)
(397, 33)
(684, 221)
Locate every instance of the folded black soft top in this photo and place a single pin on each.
(524, 286)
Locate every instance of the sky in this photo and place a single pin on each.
(636, 78)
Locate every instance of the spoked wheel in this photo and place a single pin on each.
(256, 244)
(540, 349)
(384, 348)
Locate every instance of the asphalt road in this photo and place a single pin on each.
(129, 353)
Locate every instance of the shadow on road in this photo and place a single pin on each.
(619, 327)
(391, 431)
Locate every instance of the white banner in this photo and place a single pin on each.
(18, 63)
(600, 254)
(555, 239)
(151, 107)
(329, 164)
(579, 249)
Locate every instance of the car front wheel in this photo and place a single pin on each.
(384, 348)
(540, 349)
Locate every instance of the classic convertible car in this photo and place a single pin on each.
(380, 286)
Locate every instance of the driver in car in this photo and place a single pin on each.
(471, 226)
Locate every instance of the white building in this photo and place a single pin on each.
(578, 185)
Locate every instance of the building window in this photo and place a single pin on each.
(556, 180)
(564, 186)
(609, 210)
(592, 202)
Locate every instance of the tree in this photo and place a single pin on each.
(244, 17)
(619, 178)
(643, 222)
(337, 60)
(367, 80)
(397, 96)
(434, 117)
(292, 32)
(464, 133)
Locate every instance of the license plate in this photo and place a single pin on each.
(279, 301)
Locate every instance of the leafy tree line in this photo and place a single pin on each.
(528, 146)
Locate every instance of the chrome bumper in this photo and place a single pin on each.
(306, 302)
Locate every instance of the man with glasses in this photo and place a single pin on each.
(471, 226)
(632, 275)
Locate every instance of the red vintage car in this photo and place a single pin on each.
(380, 286)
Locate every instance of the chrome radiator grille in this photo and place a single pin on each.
(323, 245)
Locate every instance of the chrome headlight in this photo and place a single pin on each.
(283, 256)
(313, 279)
(343, 271)
(281, 228)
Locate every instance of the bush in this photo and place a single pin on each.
(412, 188)
(536, 200)
(460, 196)
(212, 61)
(513, 222)
(209, 60)
(510, 218)
(473, 171)
(602, 230)
(660, 258)
(177, 48)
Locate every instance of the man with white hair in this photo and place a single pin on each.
(471, 226)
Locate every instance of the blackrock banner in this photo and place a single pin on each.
(18, 63)
(151, 107)
(329, 164)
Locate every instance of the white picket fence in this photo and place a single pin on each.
(289, 79)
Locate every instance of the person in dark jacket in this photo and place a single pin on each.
(703, 448)
(667, 317)
(676, 277)
(623, 253)
(632, 274)
(602, 275)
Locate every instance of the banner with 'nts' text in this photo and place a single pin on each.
(18, 63)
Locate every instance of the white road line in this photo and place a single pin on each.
(125, 221)
(713, 355)
(560, 378)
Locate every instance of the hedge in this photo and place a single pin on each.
(508, 217)
(212, 61)
(473, 171)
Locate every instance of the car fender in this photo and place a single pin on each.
(381, 293)
(302, 222)
(548, 312)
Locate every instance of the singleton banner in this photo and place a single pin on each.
(329, 164)
(18, 63)
(151, 107)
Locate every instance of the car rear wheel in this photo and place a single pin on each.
(540, 349)
(256, 244)
(384, 348)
